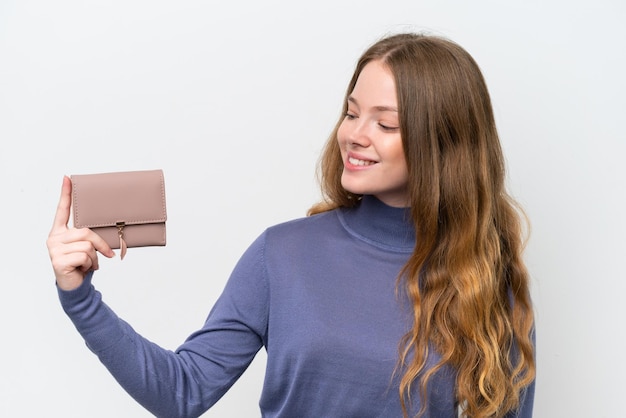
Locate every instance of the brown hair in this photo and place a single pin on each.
(466, 278)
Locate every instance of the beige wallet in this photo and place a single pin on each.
(127, 209)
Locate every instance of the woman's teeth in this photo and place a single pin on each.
(355, 161)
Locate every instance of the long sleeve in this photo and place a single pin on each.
(527, 398)
(526, 404)
(185, 382)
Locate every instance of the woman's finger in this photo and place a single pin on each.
(73, 235)
(62, 215)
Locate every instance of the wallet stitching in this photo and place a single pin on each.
(162, 219)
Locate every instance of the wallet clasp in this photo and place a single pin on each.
(120, 233)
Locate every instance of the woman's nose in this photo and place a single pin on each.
(359, 135)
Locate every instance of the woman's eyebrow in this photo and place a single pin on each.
(378, 108)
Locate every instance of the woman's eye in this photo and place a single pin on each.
(350, 116)
(388, 127)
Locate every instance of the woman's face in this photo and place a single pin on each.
(369, 139)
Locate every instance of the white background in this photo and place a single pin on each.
(234, 101)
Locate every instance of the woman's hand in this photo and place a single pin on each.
(73, 252)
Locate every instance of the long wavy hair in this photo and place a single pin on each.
(466, 278)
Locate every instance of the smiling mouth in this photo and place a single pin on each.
(356, 161)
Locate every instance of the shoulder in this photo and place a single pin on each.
(313, 222)
(304, 230)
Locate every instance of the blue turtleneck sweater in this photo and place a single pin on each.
(319, 294)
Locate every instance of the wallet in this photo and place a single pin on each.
(127, 209)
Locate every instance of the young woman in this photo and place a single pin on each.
(404, 292)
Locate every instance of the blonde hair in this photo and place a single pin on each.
(466, 277)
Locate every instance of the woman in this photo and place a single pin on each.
(403, 293)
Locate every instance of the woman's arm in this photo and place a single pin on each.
(185, 382)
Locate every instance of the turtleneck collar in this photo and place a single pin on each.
(379, 224)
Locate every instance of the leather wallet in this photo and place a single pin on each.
(127, 209)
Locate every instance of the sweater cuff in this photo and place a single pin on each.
(95, 321)
(72, 297)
